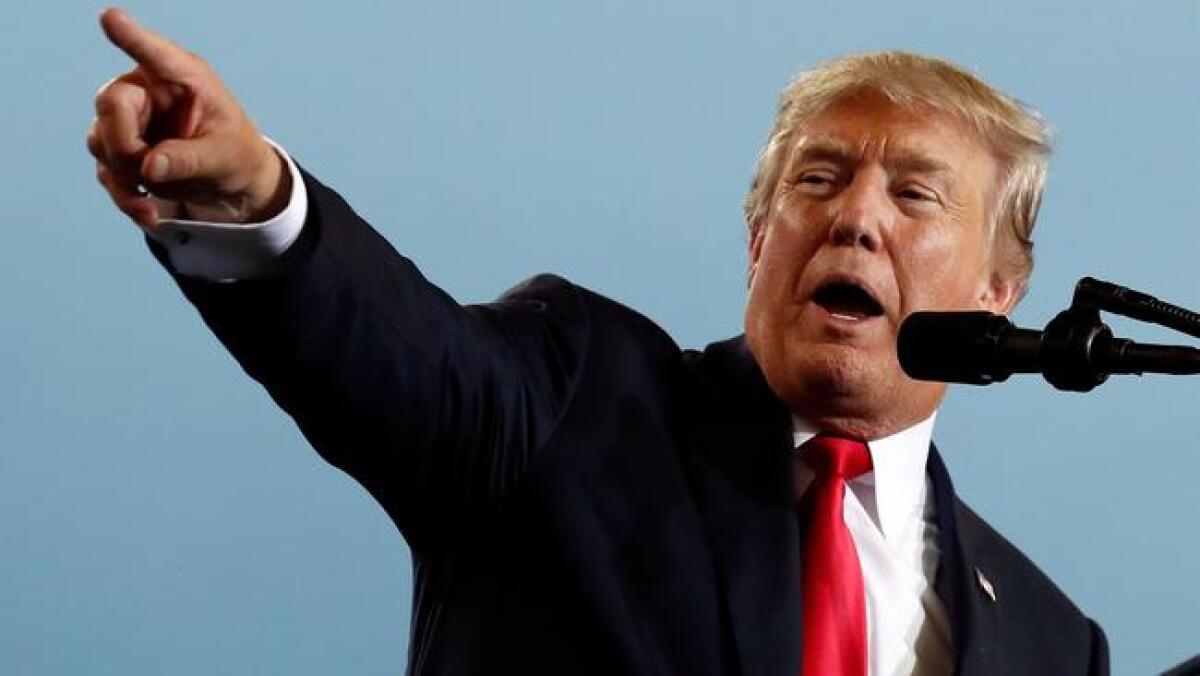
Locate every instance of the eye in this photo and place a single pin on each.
(816, 182)
(916, 193)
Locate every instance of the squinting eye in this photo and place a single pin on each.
(918, 195)
(816, 181)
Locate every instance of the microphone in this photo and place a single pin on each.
(1075, 352)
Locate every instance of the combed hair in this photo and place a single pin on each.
(1016, 134)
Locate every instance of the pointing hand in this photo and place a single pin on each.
(171, 142)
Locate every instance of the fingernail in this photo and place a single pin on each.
(159, 168)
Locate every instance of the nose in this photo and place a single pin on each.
(860, 213)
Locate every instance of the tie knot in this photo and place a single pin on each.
(837, 456)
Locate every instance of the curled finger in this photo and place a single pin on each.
(127, 196)
(123, 111)
(95, 145)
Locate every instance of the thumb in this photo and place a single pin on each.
(177, 160)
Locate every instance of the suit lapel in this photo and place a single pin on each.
(963, 583)
(741, 438)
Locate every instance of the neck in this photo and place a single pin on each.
(864, 428)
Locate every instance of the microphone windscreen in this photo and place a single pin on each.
(953, 347)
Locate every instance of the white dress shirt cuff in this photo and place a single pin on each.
(226, 252)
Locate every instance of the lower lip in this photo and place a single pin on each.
(846, 320)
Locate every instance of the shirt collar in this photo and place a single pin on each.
(897, 479)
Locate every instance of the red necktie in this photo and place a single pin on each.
(835, 607)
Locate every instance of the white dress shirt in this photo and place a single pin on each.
(891, 516)
(889, 511)
(225, 252)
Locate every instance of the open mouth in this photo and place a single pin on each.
(846, 300)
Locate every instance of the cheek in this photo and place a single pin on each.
(797, 231)
(940, 271)
(786, 251)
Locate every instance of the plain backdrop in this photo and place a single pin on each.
(159, 515)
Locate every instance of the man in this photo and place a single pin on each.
(581, 496)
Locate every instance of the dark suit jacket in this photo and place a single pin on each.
(579, 495)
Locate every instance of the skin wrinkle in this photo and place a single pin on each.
(905, 161)
(897, 202)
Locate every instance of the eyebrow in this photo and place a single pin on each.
(913, 159)
(827, 149)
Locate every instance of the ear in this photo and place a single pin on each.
(1001, 292)
(755, 251)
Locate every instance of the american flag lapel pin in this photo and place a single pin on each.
(985, 585)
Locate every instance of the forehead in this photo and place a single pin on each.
(869, 127)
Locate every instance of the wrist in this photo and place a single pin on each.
(271, 189)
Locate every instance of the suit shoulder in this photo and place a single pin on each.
(541, 284)
(605, 315)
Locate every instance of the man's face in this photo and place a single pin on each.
(879, 211)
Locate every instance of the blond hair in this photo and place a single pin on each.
(1015, 133)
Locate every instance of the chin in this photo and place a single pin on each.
(839, 368)
(830, 379)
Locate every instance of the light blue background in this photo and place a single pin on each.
(158, 514)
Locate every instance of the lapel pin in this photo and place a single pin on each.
(985, 584)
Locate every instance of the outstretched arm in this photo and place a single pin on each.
(437, 409)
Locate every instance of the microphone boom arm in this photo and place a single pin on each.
(1119, 300)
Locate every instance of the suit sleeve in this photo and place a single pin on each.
(436, 409)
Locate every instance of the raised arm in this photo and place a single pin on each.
(437, 409)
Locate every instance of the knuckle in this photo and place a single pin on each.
(105, 105)
(127, 95)
(110, 93)
(111, 102)
(94, 146)
(104, 88)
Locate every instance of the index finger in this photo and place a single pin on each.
(153, 52)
